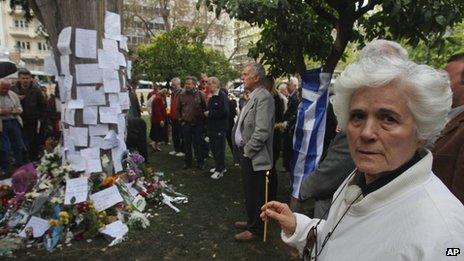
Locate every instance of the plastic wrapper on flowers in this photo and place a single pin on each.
(38, 212)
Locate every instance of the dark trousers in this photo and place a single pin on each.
(253, 184)
(177, 141)
(137, 136)
(233, 149)
(287, 151)
(31, 138)
(193, 135)
(217, 143)
(11, 140)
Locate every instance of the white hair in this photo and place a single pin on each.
(215, 81)
(381, 47)
(294, 81)
(427, 90)
(175, 80)
(257, 69)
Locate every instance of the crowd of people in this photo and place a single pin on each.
(200, 115)
(28, 116)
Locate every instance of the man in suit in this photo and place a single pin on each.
(289, 122)
(252, 135)
(448, 152)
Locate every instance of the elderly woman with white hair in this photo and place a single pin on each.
(392, 206)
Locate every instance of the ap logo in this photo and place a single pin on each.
(453, 251)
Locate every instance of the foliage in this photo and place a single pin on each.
(179, 53)
(437, 52)
(295, 30)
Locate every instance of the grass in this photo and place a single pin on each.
(203, 230)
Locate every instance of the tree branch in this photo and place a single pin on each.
(145, 22)
(370, 5)
(322, 12)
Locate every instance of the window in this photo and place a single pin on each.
(39, 46)
(16, 23)
(26, 24)
(28, 45)
(18, 44)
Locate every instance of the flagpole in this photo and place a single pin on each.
(266, 188)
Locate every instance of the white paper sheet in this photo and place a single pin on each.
(86, 43)
(110, 140)
(116, 155)
(62, 88)
(121, 59)
(88, 73)
(116, 229)
(39, 227)
(108, 115)
(90, 115)
(91, 95)
(50, 65)
(98, 130)
(68, 141)
(129, 69)
(112, 25)
(106, 198)
(64, 41)
(92, 160)
(64, 61)
(96, 142)
(79, 135)
(75, 104)
(111, 81)
(76, 160)
(77, 188)
(121, 127)
(69, 116)
(123, 43)
(108, 59)
(110, 45)
(124, 100)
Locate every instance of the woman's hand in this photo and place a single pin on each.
(282, 213)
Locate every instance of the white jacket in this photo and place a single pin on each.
(414, 217)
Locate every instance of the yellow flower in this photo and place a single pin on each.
(53, 222)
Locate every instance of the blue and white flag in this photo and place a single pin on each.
(308, 138)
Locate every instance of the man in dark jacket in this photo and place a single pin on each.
(190, 112)
(34, 109)
(217, 121)
(289, 122)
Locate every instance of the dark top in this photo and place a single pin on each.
(218, 116)
(34, 104)
(385, 179)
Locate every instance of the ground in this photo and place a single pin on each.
(203, 230)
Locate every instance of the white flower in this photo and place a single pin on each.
(138, 218)
(33, 194)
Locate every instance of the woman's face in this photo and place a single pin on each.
(381, 130)
(211, 86)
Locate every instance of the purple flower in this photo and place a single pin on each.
(137, 158)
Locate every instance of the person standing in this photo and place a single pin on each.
(176, 128)
(158, 119)
(448, 152)
(217, 120)
(10, 126)
(230, 125)
(34, 108)
(253, 134)
(289, 123)
(190, 112)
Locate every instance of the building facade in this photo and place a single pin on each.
(23, 42)
(245, 37)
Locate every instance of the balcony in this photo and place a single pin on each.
(22, 31)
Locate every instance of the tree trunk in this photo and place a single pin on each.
(344, 31)
(86, 14)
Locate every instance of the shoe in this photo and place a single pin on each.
(180, 154)
(217, 175)
(212, 170)
(240, 225)
(187, 167)
(172, 153)
(245, 236)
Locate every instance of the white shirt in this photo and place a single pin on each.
(414, 217)
(238, 134)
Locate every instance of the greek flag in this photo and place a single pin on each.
(308, 138)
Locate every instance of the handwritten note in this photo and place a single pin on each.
(79, 135)
(86, 43)
(76, 104)
(98, 130)
(64, 61)
(116, 229)
(112, 25)
(106, 198)
(124, 100)
(108, 115)
(69, 116)
(91, 95)
(110, 45)
(64, 41)
(76, 160)
(88, 73)
(38, 225)
(90, 115)
(111, 81)
(108, 59)
(76, 188)
(92, 160)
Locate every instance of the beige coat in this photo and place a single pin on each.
(17, 105)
